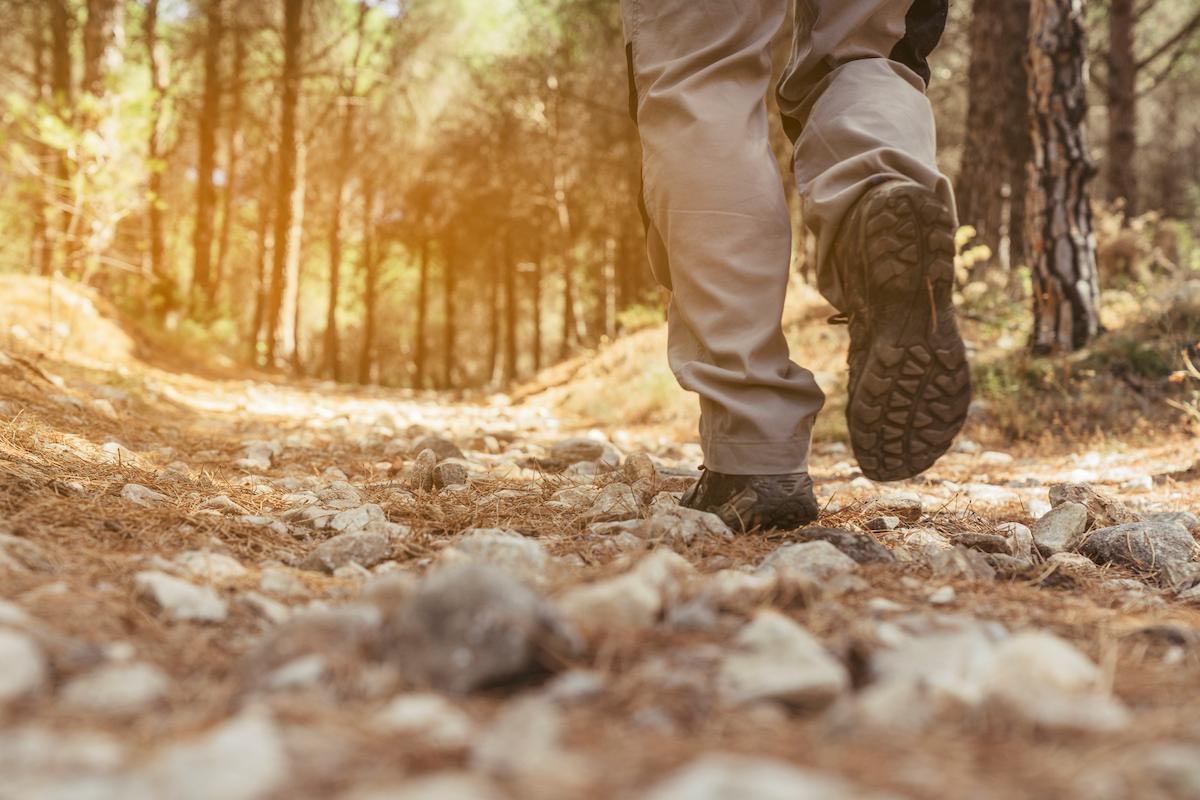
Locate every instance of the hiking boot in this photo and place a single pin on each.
(745, 502)
(909, 381)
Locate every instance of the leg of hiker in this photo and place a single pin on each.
(853, 101)
(720, 239)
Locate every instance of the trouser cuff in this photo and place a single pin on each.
(781, 457)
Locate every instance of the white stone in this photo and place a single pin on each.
(143, 496)
(431, 717)
(1060, 529)
(720, 776)
(443, 786)
(241, 759)
(1020, 539)
(118, 690)
(615, 501)
(214, 567)
(817, 559)
(23, 667)
(179, 600)
(282, 582)
(993, 458)
(632, 600)
(523, 557)
(774, 658)
(943, 596)
(355, 519)
(221, 504)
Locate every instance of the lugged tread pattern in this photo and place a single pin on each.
(910, 385)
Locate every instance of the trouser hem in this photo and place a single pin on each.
(780, 457)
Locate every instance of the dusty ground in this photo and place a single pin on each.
(311, 684)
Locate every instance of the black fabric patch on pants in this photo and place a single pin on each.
(923, 28)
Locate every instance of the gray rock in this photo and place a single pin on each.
(883, 524)
(817, 560)
(961, 564)
(630, 601)
(1061, 528)
(281, 582)
(258, 455)
(1102, 511)
(573, 498)
(1185, 518)
(860, 547)
(23, 666)
(1180, 576)
(640, 468)
(1142, 545)
(118, 690)
(616, 501)
(681, 526)
(179, 600)
(775, 659)
(904, 505)
(1174, 767)
(471, 627)
(242, 759)
(221, 504)
(1020, 539)
(439, 786)
(720, 776)
(356, 519)
(572, 451)
(430, 717)
(1007, 566)
(983, 542)
(1072, 564)
(449, 473)
(143, 496)
(521, 556)
(442, 448)
(213, 567)
(419, 475)
(366, 548)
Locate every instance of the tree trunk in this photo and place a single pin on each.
(162, 292)
(1122, 106)
(206, 156)
(510, 371)
(568, 310)
(493, 357)
(40, 255)
(286, 183)
(448, 312)
(233, 151)
(61, 95)
(295, 246)
(263, 255)
(1059, 223)
(990, 178)
(102, 35)
(421, 353)
(536, 301)
(349, 94)
(370, 270)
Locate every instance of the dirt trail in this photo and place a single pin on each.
(241, 590)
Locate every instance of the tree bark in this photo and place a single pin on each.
(421, 352)
(370, 270)
(510, 370)
(997, 137)
(40, 253)
(1121, 93)
(163, 292)
(102, 40)
(262, 256)
(1059, 223)
(233, 151)
(286, 182)
(449, 321)
(61, 21)
(206, 155)
(536, 301)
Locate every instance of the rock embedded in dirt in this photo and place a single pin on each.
(355, 519)
(521, 556)
(983, 542)
(1142, 545)
(1072, 564)
(212, 567)
(818, 560)
(860, 547)
(178, 599)
(1102, 511)
(630, 601)
(449, 473)
(241, 759)
(961, 564)
(431, 718)
(258, 456)
(1019, 538)
(221, 504)
(442, 448)
(281, 582)
(677, 525)
(366, 548)
(419, 475)
(883, 523)
(1061, 529)
(523, 747)
(573, 498)
(472, 627)
(1185, 518)
(639, 468)
(143, 496)
(617, 501)
(117, 690)
(23, 666)
(572, 451)
(718, 776)
(435, 786)
(993, 458)
(904, 505)
(775, 659)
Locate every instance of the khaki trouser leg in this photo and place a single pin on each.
(853, 100)
(719, 231)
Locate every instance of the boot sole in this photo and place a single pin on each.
(751, 509)
(912, 395)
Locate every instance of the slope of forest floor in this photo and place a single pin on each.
(238, 589)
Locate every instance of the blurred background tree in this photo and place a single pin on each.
(442, 193)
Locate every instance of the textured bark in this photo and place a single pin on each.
(1059, 221)
(206, 155)
(285, 185)
(990, 186)
(163, 289)
(1121, 92)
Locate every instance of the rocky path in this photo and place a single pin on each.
(226, 590)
